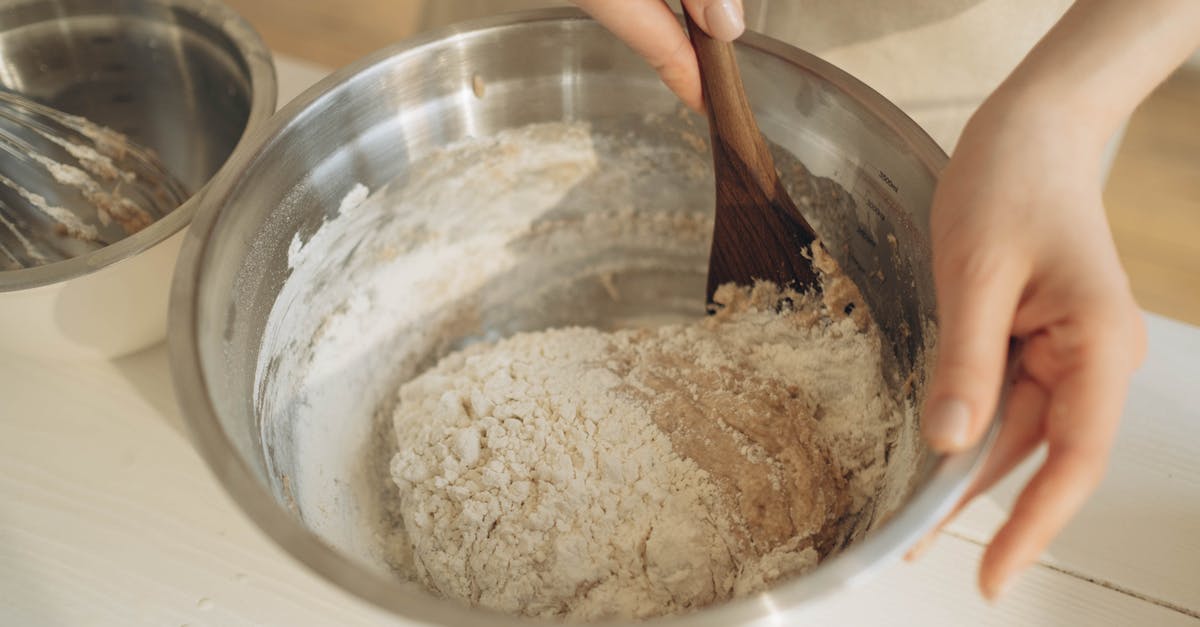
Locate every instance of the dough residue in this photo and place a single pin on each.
(632, 461)
(586, 474)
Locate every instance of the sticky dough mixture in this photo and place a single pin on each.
(586, 474)
(573, 473)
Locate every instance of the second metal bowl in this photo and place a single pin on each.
(187, 78)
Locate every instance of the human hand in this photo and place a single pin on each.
(1021, 248)
(649, 27)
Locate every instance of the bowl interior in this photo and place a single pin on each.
(186, 78)
(160, 73)
(283, 409)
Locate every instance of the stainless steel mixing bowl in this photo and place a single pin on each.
(187, 78)
(373, 121)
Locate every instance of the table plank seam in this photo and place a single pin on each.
(1115, 587)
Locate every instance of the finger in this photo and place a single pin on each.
(649, 27)
(917, 550)
(723, 20)
(978, 291)
(1081, 422)
(1020, 432)
(1064, 345)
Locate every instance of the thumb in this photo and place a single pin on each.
(978, 291)
(723, 20)
(652, 30)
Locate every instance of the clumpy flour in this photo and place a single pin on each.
(589, 474)
(571, 437)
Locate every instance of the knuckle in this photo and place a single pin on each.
(966, 378)
(959, 367)
(673, 60)
(966, 264)
(1111, 330)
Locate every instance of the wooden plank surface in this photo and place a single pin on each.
(940, 590)
(327, 32)
(108, 517)
(1140, 532)
(1153, 199)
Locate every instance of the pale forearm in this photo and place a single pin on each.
(1102, 59)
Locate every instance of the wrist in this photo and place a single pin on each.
(1089, 73)
(1050, 110)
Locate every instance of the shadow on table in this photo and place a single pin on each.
(149, 372)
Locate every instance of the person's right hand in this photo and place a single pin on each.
(1021, 247)
(649, 27)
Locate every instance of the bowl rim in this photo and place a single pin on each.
(263, 93)
(928, 505)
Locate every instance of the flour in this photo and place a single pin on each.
(589, 475)
(601, 232)
(532, 483)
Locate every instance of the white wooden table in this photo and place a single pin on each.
(108, 516)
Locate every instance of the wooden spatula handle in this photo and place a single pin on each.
(758, 234)
(730, 119)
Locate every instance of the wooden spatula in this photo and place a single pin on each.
(758, 232)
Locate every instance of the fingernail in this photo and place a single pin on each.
(724, 20)
(947, 423)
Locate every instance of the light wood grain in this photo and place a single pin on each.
(108, 518)
(1153, 199)
(1141, 530)
(327, 32)
(940, 590)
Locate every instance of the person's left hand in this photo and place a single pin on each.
(651, 29)
(1021, 248)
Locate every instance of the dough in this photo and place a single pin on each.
(586, 474)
